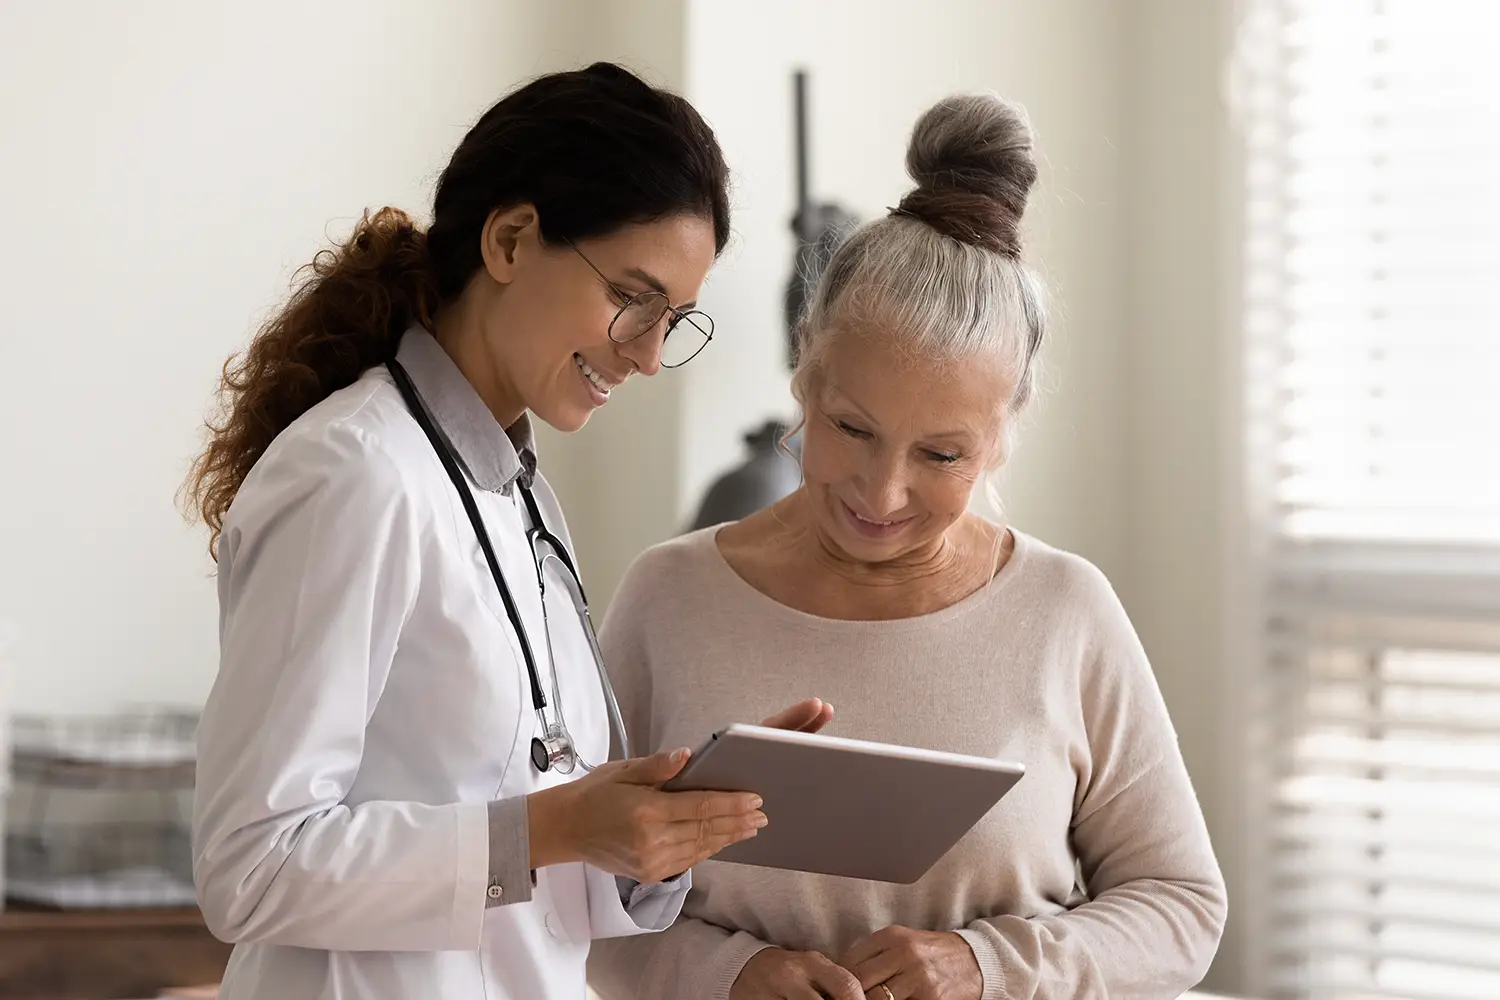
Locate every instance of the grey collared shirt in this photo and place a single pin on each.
(494, 457)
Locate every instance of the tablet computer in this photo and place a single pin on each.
(847, 807)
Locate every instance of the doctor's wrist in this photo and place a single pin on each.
(550, 828)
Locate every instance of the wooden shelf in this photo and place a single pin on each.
(104, 954)
(23, 917)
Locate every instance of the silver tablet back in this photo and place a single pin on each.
(848, 807)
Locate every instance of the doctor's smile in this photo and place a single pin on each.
(598, 384)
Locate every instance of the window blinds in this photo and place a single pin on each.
(1371, 137)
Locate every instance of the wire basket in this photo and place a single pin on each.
(92, 866)
(146, 749)
(98, 809)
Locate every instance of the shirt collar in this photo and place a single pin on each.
(494, 457)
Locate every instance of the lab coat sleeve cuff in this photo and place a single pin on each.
(647, 908)
(509, 878)
(470, 838)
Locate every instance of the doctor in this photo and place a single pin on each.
(402, 788)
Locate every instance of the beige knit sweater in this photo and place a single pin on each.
(1094, 878)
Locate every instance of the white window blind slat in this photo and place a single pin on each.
(1329, 983)
(1352, 831)
(1371, 144)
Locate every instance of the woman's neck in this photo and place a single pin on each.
(462, 335)
(785, 554)
(932, 561)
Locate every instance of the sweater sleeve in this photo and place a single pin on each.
(1156, 901)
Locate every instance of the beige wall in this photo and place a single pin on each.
(166, 165)
(1182, 378)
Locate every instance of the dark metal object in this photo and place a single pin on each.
(771, 473)
(819, 227)
(762, 479)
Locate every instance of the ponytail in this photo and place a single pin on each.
(345, 316)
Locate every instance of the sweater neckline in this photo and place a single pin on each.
(1021, 547)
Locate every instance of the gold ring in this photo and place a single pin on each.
(888, 994)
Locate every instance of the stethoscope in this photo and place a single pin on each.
(554, 748)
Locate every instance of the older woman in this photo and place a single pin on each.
(874, 587)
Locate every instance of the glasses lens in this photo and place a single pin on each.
(688, 334)
(639, 315)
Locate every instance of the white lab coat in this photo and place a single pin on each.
(371, 700)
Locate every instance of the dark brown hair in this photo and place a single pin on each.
(593, 150)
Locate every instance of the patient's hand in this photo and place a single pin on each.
(806, 716)
(775, 974)
(915, 965)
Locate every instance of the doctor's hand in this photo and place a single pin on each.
(915, 965)
(617, 819)
(775, 974)
(806, 716)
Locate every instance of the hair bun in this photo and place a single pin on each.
(972, 158)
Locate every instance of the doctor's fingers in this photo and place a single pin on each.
(710, 836)
(716, 834)
(694, 843)
(683, 807)
(653, 770)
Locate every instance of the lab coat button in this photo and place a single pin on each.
(552, 925)
(495, 892)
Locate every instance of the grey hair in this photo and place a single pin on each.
(943, 273)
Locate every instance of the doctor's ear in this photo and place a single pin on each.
(508, 234)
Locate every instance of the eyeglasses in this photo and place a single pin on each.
(688, 332)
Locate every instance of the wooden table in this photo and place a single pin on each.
(104, 954)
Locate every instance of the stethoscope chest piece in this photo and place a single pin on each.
(553, 752)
